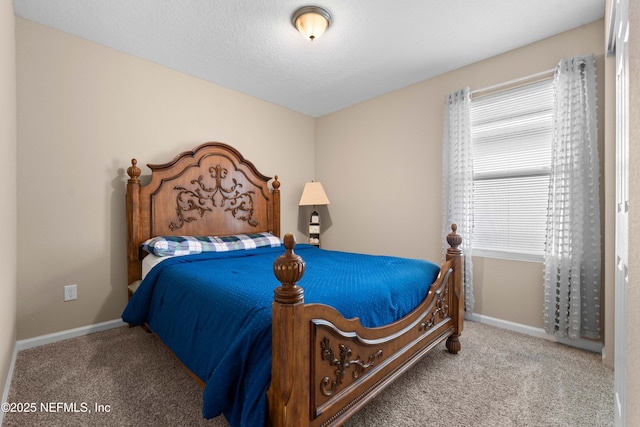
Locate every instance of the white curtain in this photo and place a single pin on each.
(572, 250)
(457, 179)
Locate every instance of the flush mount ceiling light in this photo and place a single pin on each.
(311, 21)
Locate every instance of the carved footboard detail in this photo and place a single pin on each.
(327, 386)
(441, 307)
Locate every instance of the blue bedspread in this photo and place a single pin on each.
(213, 310)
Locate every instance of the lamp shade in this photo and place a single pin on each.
(311, 21)
(313, 194)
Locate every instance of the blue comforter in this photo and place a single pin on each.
(213, 310)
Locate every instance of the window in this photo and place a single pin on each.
(511, 134)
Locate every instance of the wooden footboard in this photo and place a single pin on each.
(326, 367)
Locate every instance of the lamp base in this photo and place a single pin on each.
(314, 229)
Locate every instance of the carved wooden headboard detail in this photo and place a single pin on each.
(209, 191)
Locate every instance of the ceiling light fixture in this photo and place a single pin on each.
(311, 21)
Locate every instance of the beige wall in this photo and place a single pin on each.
(380, 163)
(84, 111)
(8, 213)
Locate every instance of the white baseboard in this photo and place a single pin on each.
(70, 333)
(581, 343)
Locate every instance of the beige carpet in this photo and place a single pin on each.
(500, 378)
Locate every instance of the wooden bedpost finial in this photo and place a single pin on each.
(454, 240)
(275, 184)
(133, 171)
(289, 269)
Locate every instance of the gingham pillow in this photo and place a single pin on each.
(249, 241)
(188, 245)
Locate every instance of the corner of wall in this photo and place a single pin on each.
(8, 193)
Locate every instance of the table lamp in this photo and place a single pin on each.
(314, 195)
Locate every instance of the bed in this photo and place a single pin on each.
(290, 335)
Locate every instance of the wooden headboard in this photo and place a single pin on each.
(209, 191)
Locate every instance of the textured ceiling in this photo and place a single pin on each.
(372, 46)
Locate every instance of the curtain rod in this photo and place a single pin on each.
(546, 74)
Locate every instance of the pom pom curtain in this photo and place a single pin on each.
(572, 251)
(457, 181)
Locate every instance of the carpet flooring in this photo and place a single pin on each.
(127, 377)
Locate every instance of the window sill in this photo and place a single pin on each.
(514, 256)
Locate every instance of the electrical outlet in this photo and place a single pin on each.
(70, 292)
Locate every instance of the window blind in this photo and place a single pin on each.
(511, 134)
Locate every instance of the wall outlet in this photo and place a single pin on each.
(70, 292)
